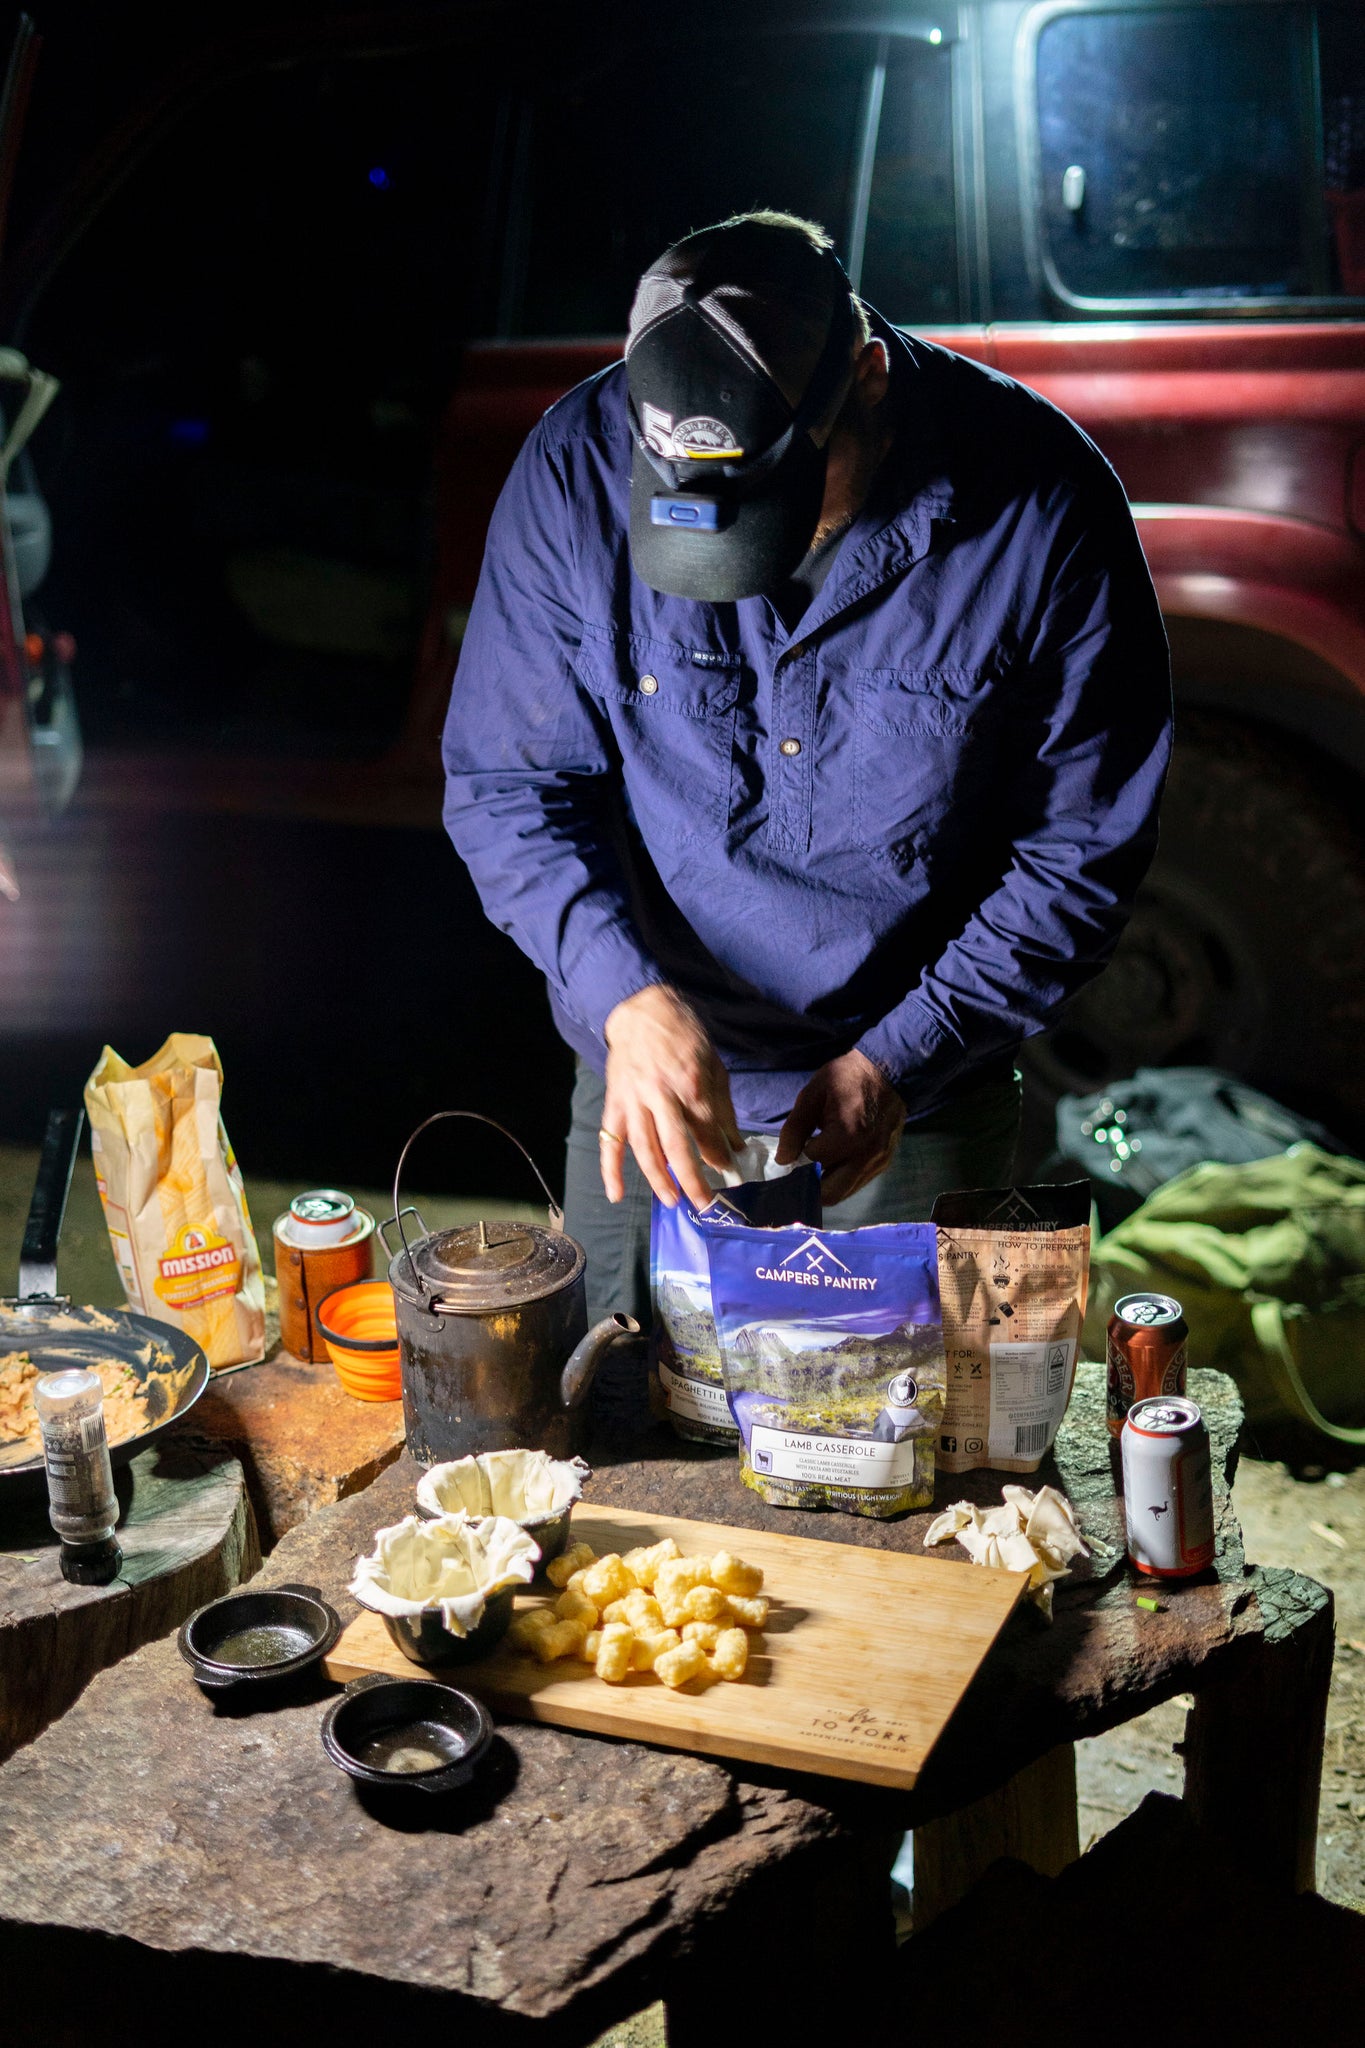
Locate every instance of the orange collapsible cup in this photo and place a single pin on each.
(360, 1329)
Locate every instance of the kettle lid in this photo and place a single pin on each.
(488, 1266)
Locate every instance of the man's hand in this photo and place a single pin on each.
(668, 1098)
(858, 1116)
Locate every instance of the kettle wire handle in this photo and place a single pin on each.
(473, 1116)
(387, 1225)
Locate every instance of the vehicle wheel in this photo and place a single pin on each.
(1246, 949)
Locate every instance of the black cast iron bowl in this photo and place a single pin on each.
(383, 1711)
(300, 1622)
(173, 1370)
(549, 1531)
(426, 1639)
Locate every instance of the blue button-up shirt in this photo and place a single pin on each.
(915, 823)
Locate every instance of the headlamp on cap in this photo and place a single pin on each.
(678, 509)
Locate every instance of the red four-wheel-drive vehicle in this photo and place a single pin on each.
(1154, 214)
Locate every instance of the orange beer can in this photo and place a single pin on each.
(1147, 1334)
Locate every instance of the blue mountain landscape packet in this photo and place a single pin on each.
(685, 1367)
(832, 1352)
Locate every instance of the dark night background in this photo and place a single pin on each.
(254, 335)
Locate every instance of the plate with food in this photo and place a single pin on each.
(152, 1374)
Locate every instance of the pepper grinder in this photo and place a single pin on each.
(82, 1505)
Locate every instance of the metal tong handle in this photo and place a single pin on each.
(56, 1162)
(473, 1116)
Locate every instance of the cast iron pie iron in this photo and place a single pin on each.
(256, 1638)
(407, 1732)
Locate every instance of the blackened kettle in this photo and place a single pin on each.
(493, 1334)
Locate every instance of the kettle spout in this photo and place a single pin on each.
(577, 1375)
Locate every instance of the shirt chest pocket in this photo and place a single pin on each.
(920, 752)
(674, 721)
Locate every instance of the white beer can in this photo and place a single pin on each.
(1167, 1487)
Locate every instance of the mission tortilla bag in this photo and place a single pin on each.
(832, 1351)
(1013, 1275)
(685, 1368)
(173, 1197)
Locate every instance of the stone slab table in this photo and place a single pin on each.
(302, 1441)
(175, 1851)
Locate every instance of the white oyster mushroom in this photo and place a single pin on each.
(945, 1526)
(1016, 1553)
(454, 1564)
(1029, 1532)
(1051, 1521)
(522, 1485)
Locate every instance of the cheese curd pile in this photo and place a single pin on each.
(649, 1610)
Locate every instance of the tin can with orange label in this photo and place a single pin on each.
(322, 1241)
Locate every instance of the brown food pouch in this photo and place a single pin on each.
(1013, 1275)
(173, 1197)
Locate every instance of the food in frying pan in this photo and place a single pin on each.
(125, 1400)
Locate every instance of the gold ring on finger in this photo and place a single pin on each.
(612, 1137)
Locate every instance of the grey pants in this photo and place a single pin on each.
(967, 1144)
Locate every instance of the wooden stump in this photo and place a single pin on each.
(187, 1533)
(1032, 1818)
(1253, 1744)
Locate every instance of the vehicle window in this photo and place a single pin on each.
(1342, 48)
(614, 171)
(1175, 152)
(254, 338)
(910, 258)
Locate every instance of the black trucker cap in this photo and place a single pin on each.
(740, 340)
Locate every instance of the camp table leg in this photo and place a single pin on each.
(1253, 1743)
(1032, 1817)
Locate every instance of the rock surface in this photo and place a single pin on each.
(584, 1868)
(303, 1443)
(151, 1812)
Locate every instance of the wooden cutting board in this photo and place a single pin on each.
(865, 1656)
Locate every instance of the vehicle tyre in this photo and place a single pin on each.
(1246, 949)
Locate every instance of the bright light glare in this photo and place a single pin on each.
(936, 35)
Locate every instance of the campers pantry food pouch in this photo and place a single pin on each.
(685, 1368)
(1013, 1274)
(173, 1197)
(833, 1356)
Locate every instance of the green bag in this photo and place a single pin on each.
(1268, 1261)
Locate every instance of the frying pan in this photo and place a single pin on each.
(171, 1366)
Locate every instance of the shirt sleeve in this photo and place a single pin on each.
(1090, 739)
(530, 762)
